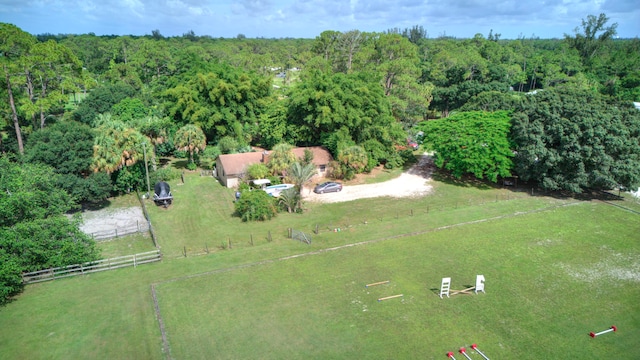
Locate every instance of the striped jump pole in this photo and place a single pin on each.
(475, 347)
(463, 351)
(450, 355)
(612, 328)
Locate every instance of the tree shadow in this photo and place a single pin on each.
(468, 181)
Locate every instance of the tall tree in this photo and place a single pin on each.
(575, 140)
(190, 138)
(281, 158)
(14, 45)
(48, 67)
(67, 147)
(472, 143)
(594, 34)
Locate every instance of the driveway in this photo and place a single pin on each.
(413, 182)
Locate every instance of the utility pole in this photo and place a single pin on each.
(146, 166)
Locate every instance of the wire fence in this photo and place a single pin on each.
(104, 235)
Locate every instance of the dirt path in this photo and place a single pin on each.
(413, 182)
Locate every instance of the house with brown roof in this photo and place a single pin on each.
(231, 167)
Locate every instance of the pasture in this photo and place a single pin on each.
(556, 270)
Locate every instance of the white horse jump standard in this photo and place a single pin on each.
(445, 287)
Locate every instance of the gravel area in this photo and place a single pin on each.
(413, 182)
(110, 219)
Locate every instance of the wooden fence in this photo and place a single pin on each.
(91, 267)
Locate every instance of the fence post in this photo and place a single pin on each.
(206, 248)
(116, 232)
(411, 212)
(229, 239)
(184, 250)
(251, 239)
(316, 229)
(134, 261)
(269, 236)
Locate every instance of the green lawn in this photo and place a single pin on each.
(556, 269)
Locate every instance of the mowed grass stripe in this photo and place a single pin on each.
(317, 307)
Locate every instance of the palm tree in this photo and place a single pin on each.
(281, 158)
(190, 138)
(354, 158)
(299, 174)
(115, 145)
(290, 199)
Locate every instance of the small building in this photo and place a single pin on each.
(231, 167)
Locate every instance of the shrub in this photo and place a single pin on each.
(256, 206)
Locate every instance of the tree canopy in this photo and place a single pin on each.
(577, 140)
(472, 142)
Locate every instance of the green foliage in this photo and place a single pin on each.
(129, 178)
(101, 100)
(257, 171)
(33, 232)
(29, 192)
(93, 188)
(341, 110)
(207, 159)
(255, 206)
(67, 147)
(353, 159)
(228, 145)
(472, 142)
(129, 109)
(10, 277)
(190, 138)
(281, 158)
(290, 200)
(45, 243)
(117, 145)
(219, 100)
(574, 140)
(164, 174)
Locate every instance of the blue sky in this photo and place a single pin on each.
(308, 18)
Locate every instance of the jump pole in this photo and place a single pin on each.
(450, 355)
(463, 351)
(377, 283)
(475, 347)
(612, 328)
(390, 297)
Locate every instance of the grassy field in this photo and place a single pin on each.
(556, 269)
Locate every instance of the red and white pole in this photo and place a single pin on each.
(450, 355)
(612, 328)
(475, 347)
(463, 351)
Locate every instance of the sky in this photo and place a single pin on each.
(309, 18)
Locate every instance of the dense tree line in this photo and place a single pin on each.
(86, 109)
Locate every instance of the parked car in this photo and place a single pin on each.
(328, 186)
